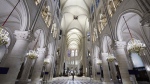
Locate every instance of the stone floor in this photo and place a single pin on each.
(77, 80)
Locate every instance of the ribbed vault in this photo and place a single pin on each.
(75, 23)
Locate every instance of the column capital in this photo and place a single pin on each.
(49, 56)
(120, 44)
(104, 54)
(41, 50)
(22, 35)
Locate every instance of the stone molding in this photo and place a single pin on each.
(22, 35)
(41, 50)
(120, 45)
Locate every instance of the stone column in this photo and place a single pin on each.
(113, 71)
(26, 71)
(105, 67)
(57, 66)
(97, 68)
(35, 78)
(52, 68)
(122, 61)
(84, 57)
(2, 51)
(93, 61)
(62, 55)
(14, 59)
(93, 69)
(47, 69)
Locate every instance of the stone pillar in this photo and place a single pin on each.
(93, 69)
(52, 68)
(122, 61)
(113, 71)
(97, 69)
(26, 71)
(57, 66)
(35, 78)
(62, 55)
(47, 69)
(105, 67)
(93, 61)
(84, 57)
(14, 59)
(2, 51)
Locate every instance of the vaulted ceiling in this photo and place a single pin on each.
(75, 21)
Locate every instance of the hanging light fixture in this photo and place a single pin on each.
(134, 45)
(110, 57)
(32, 54)
(98, 61)
(3, 36)
(46, 61)
(3, 33)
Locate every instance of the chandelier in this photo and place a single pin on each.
(134, 45)
(3, 33)
(111, 58)
(3, 36)
(98, 61)
(32, 54)
(46, 61)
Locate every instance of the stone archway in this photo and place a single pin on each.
(123, 32)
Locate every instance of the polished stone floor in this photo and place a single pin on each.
(77, 80)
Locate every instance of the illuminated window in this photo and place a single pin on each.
(76, 53)
(72, 53)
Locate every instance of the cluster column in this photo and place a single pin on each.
(84, 57)
(113, 71)
(62, 55)
(122, 61)
(15, 58)
(105, 67)
(26, 71)
(52, 67)
(47, 69)
(35, 78)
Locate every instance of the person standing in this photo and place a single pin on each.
(73, 76)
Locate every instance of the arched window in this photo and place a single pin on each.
(76, 52)
(72, 53)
